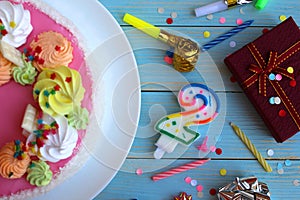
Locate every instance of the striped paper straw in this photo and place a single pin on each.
(179, 169)
(227, 35)
(251, 147)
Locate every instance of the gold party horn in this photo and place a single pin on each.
(186, 51)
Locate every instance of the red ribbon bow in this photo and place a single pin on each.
(262, 69)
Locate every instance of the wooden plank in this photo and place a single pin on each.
(156, 75)
(128, 185)
(235, 107)
(147, 10)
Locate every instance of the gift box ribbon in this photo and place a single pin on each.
(262, 70)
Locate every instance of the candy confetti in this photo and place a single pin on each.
(239, 21)
(139, 171)
(218, 151)
(282, 17)
(209, 17)
(169, 21)
(222, 20)
(223, 172)
(212, 191)
(199, 188)
(296, 182)
(232, 44)
(188, 180)
(179, 169)
(194, 182)
(174, 15)
(200, 194)
(242, 11)
(270, 152)
(206, 34)
(288, 163)
(160, 10)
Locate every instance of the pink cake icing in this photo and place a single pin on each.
(15, 97)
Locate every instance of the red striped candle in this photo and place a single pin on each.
(179, 169)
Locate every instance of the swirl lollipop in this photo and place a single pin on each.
(201, 105)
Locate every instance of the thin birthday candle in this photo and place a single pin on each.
(227, 35)
(179, 169)
(251, 147)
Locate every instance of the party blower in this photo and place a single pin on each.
(186, 51)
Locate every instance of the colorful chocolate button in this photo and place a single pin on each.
(272, 77)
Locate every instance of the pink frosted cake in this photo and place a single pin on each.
(45, 92)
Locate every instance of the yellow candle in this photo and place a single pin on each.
(142, 25)
(251, 147)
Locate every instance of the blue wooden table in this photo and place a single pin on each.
(160, 84)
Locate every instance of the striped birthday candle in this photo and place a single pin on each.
(227, 35)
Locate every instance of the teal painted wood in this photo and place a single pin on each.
(159, 85)
(158, 75)
(147, 10)
(128, 185)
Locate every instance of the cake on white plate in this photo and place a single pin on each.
(46, 99)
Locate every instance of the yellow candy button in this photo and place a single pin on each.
(223, 172)
(290, 70)
(206, 34)
(282, 17)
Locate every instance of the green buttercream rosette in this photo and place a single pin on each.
(24, 75)
(39, 173)
(78, 118)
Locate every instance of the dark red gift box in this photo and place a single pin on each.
(268, 70)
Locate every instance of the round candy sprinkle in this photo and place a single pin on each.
(293, 83)
(282, 113)
(206, 34)
(223, 172)
(168, 60)
(194, 182)
(277, 100)
(270, 152)
(278, 77)
(232, 43)
(282, 17)
(218, 151)
(279, 166)
(288, 163)
(272, 77)
(239, 21)
(212, 148)
(188, 179)
(272, 100)
(222, 20)
(265, 30)
(290, 70)
(209, 17)
(296, 182)
(174, 15)
(212, 191)
(280, 171)
(139, 171)
(200, 194)
(232, 79)
(199, 188)
(160, 10)
(169, 20)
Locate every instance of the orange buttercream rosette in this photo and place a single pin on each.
(51, 50)
(12, 167)
(5, 70)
